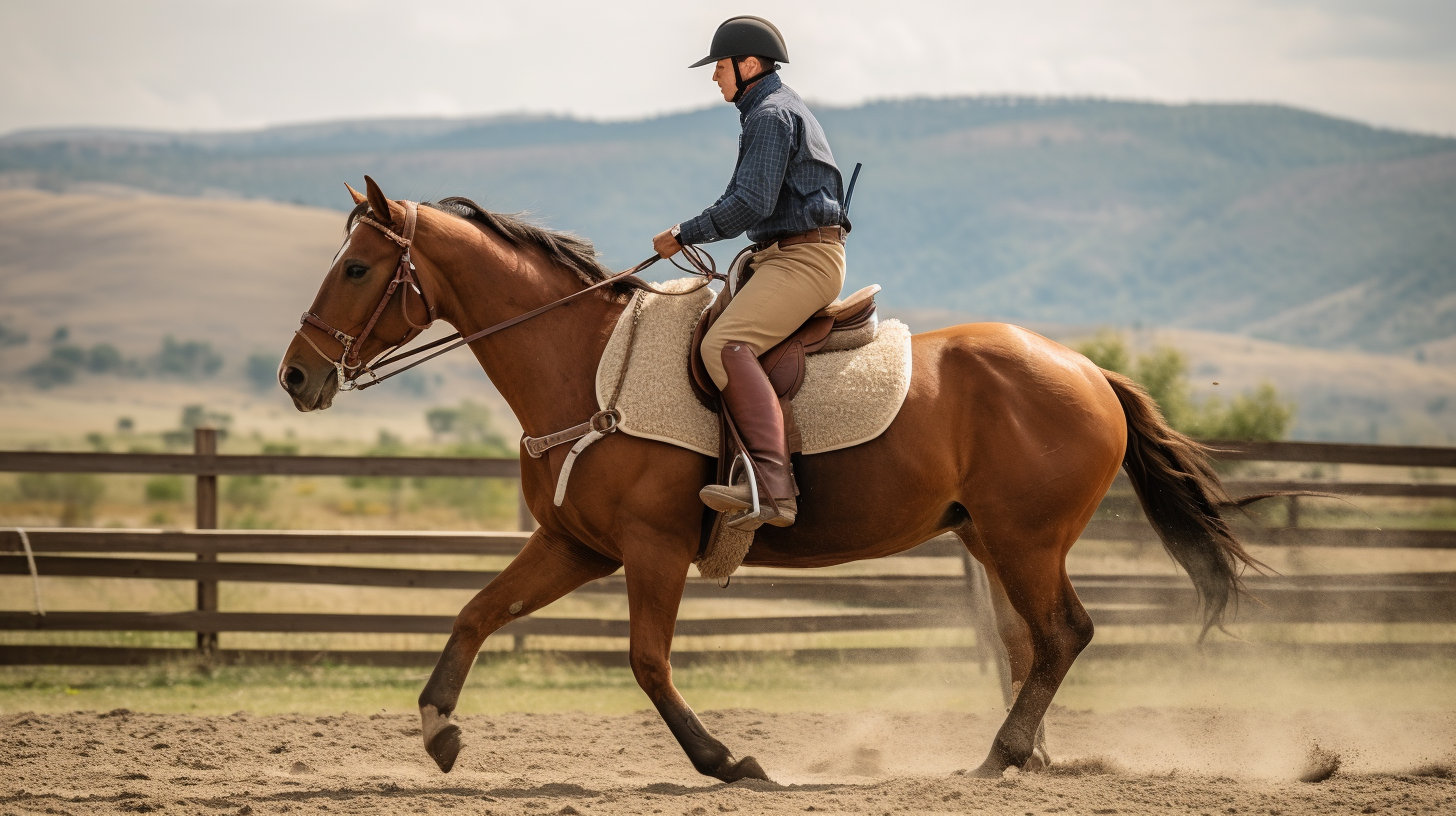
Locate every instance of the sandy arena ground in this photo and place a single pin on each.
(1140, 761)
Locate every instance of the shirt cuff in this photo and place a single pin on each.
(698, 230)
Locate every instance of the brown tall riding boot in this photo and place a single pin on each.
(754, 407)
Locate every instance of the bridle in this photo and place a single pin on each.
(350, 367)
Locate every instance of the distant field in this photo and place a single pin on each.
(131, 270)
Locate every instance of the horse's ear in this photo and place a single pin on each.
(359, 198)
(377, 202)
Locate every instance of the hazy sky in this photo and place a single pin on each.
(216, 64)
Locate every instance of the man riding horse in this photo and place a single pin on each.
(787, 194)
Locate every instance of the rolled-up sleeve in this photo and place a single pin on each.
(768, 140)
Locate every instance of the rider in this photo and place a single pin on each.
(787, 194)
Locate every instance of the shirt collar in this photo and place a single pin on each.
(756, 94)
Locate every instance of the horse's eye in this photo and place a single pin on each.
(356, 271)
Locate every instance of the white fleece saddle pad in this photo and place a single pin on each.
(849, 397)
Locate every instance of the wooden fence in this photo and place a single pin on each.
(872, 603)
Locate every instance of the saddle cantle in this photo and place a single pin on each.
(847, 323)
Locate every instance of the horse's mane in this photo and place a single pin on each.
(567, 249)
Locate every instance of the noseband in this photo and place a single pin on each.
(348, 365)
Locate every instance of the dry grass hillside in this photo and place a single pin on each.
(130, 269)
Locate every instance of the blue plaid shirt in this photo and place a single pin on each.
(785, 182)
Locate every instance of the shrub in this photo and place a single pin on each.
(164, 489)
(78, 493)
(469, 424)
(247, 491)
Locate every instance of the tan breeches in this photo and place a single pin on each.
(788, 286)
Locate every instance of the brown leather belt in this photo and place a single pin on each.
(820, 235)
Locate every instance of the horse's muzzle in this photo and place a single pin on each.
(310, 391)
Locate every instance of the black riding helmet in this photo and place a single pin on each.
(746, 36)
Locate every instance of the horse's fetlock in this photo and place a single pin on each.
(1083, 628)
(711, 762)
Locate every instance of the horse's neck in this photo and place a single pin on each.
(544, 368)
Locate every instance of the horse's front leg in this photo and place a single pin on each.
(656, 573)
(546, 569)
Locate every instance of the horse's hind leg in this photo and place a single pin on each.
(1044, 628)
(656, 574)
(545, 569)
(1015, 636)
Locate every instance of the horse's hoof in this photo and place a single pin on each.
(988, 770)
(746, 768)
(442, 737)
(445, 746)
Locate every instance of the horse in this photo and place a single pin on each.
(1006, 439)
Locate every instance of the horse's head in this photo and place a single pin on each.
(354, 318)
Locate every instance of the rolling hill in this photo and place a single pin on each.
(1260, 220)
(132, 269)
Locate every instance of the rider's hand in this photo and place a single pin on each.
(666, 244)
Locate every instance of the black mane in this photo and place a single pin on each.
(567, 249)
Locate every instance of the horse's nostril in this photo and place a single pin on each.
(294, 377)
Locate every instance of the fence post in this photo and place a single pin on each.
(204, 443)
(526, 521)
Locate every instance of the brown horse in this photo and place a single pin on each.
(1006, 439)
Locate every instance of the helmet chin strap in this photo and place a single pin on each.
(741, 83)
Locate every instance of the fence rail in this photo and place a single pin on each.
(881, 603)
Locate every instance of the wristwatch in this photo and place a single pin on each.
(676, 229)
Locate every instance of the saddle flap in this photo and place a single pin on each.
(784, 365)
(704, 388)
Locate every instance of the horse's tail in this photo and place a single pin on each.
(1182, 494)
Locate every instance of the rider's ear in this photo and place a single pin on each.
(378, 204)
(359, 198)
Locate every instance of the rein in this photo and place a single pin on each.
(701, 263)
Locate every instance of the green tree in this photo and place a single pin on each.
(194, 417)
(51, 372)
(103, 358)
(1260, 415)
(1107, 350)
(190, 359)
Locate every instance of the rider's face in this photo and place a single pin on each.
(723, 75)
